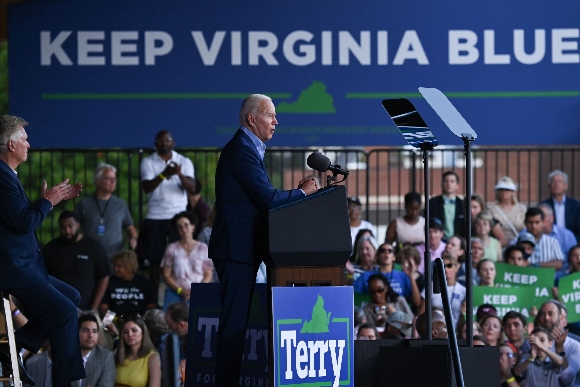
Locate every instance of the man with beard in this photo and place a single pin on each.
(552, 316)
(99, 361)
(166, 177)
(79, 261)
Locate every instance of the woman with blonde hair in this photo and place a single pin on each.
(138, 363)
(507, 210)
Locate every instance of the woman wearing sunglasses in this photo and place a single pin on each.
(383, 301)
(455, 290)
(402, 283)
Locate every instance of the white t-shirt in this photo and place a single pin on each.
(354, 230)
(169, 198)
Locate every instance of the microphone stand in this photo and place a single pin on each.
(331, 180)
(426, 147)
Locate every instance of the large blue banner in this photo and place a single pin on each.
(113, 73)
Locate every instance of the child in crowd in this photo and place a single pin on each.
(542, 365)
(492, 247)
(528, 243)
(486, 273)
(515, 255)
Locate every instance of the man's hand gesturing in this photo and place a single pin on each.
(61, 191)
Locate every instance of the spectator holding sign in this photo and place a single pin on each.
(574, 267)
(486, 272)
(515, 255)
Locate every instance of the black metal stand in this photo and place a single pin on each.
(453, 348)
(426, 147)
(467, 140)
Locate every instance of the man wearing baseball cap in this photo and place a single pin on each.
(399, 325)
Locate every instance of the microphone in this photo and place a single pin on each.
(321, 163)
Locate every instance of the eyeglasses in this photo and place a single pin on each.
(379, 290)
(509, 354)
(382, 250)
(449, 265)
(111, 179)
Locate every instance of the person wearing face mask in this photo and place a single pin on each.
(78, 260)
(515, 255)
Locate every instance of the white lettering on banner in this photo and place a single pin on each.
(90, 48)
(526, 279)
(303, 48)
(306, 353)
(463, 50)
(576, 284)
(498, 299)
(571, 297)
(542, 292)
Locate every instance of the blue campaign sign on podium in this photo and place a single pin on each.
(313, 336)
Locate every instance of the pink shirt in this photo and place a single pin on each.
(434, 254)
(186, 269)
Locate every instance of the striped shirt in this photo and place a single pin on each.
(547, 250)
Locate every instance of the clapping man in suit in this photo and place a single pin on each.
(239, 240)
(50, 304)
(566, 209)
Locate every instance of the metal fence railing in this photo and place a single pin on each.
(379, 176)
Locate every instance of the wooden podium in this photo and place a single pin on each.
(309, 240)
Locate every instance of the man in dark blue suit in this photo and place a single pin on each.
(239, 238)
(50, 304)
(566, 209)
(449, 207)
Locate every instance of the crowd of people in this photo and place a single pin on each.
(123, 328)
(542, 349)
